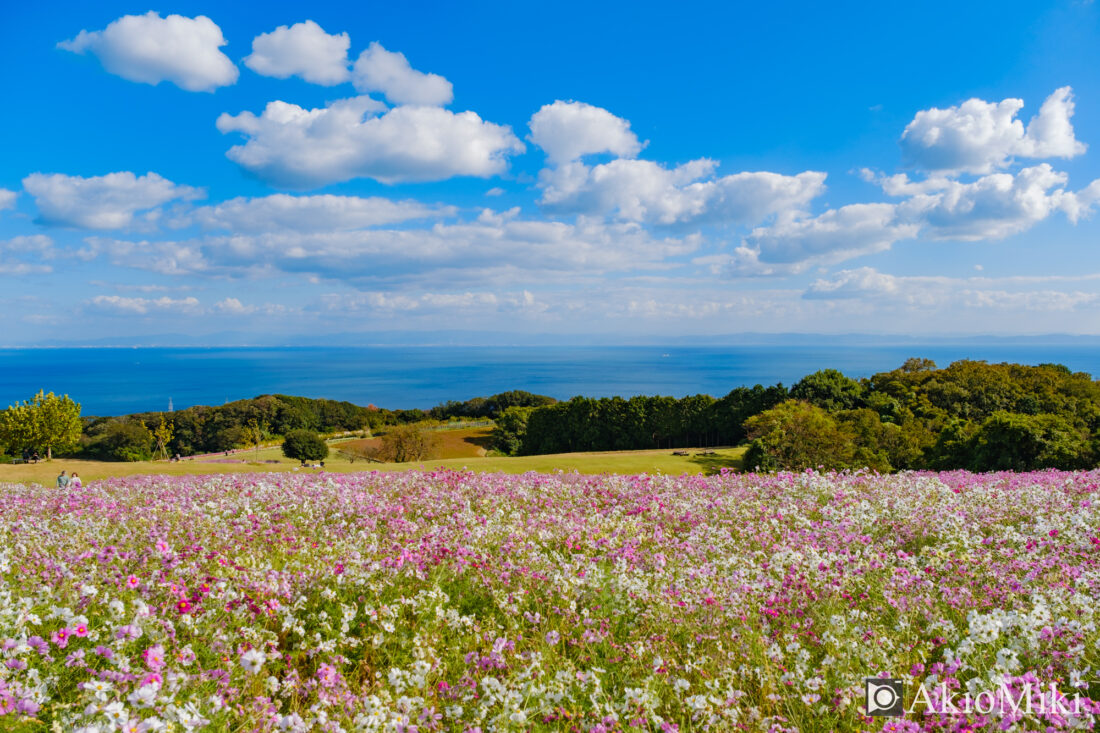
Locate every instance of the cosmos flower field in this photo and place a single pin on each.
(471, 602)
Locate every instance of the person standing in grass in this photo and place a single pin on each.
(62, 481)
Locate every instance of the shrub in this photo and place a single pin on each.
(408, 443)
(304, 445)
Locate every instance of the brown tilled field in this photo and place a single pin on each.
(464, 443)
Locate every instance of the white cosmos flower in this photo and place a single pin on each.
(252, 660)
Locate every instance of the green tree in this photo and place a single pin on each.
(830, 390)
(510, 430)
(46, 421)
(120, 440)
(404, 443)
(1009, 441)
(256, 431)
(17, 428)
(304, 445)
(796, 435)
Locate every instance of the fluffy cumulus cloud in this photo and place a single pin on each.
(303, 50)
(124, 305)
(7, 198)
(997, 205)
(645, 191)
(567, 131)
(990, 207)
(978, 136)
(313, 213)
(389, 73)
(353, 138)
(794, 243)
(101, 202)
(151, 49)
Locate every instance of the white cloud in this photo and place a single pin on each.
(313, 213)
(793, 244)
(866, 282)
(36, 244)
(150, 49)
(304, 50)
(869, 285)
(25, 255)
(496, 246)
(429, 303)
(7, 198)
(166, 258)
(992, 207)
(978, 136)
(645, 191)
(997, 205)
(570, 130)
(389, 72)
(18, 269)
(144, 306)
(301, 148)
(101, 202)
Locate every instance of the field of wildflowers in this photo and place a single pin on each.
(472, 602)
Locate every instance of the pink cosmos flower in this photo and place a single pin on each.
(60, 638)
(328, 675)
(132, 581)
(154, 657)
(80, 630)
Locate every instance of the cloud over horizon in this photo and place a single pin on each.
(408, 166)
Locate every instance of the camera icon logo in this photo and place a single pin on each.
(884, 697)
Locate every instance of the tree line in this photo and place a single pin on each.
(50, 424)
(970, 414)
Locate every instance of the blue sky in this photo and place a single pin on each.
(633, 170)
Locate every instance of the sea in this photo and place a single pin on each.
(115, 381)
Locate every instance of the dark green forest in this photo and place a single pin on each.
(970, 415)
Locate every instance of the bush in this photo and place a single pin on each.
(408, 443)
(304, 445)
(121, 440)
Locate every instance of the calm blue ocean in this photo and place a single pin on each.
(112, 381)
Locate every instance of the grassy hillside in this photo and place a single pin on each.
(271, 459)
(462, 443)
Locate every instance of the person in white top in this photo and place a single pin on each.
(74, 481)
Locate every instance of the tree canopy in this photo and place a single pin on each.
(45, 422)
(304, 445)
